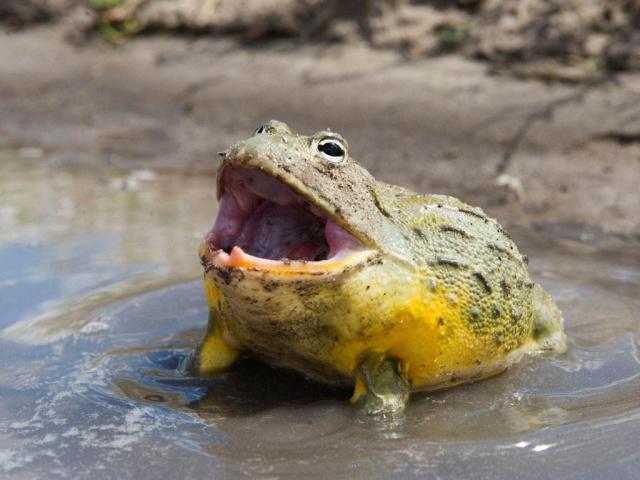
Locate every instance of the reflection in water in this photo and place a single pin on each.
(101, 309)
(94, 237)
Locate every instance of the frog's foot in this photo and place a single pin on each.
(380, 385)
(548, 330)
(215, 354)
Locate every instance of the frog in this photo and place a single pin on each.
(315, 266)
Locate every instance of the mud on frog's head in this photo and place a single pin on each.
(293, 203)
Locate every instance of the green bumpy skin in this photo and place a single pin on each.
(439, 294)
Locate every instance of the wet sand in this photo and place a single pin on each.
(443, 125)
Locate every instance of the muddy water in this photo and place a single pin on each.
(100, 300)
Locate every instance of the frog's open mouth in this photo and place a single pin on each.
(262, 222)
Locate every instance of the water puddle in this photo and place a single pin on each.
(101, 299)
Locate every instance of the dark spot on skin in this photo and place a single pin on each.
(368, 287)
(207, 268)
(248, 299)
(303, 288)
(473, 213)
(441, 321)
(269, 285)
(506, 287)
(493, 246)
(483, 281)
(447, 262)
(458, 231)
(224, 274)
(529, 284)
(525, 259)
(419, 233)
(516, 316)
(501, 229)
(496, 310)
(504, 251)
(538, 331)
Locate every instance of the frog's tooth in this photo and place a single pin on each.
(220, 257)
(237, 256)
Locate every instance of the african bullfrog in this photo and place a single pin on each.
(315, 266)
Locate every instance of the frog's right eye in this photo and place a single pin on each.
(332, 150)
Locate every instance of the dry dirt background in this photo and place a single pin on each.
(438, 96)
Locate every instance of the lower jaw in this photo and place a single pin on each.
(239, 259)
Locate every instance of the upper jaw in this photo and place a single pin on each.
(277, 156)
(265, 223)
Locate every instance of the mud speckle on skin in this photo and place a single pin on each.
(483, 281)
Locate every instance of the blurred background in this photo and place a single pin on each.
(529, 108)
(111, 114)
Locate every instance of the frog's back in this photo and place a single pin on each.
(470, 259)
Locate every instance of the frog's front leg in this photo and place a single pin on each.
(380, 386)
(216, 353)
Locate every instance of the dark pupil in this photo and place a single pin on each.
(331, 148)
(260, 129)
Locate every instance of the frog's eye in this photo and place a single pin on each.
(271, 127)
(332, 150)
(262, 128)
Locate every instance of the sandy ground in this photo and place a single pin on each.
(570, 155)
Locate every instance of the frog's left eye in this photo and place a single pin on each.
(262, 128)
(332, 149)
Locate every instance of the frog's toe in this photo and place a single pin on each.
(214, 354)
(380, 386)
(547, 329)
